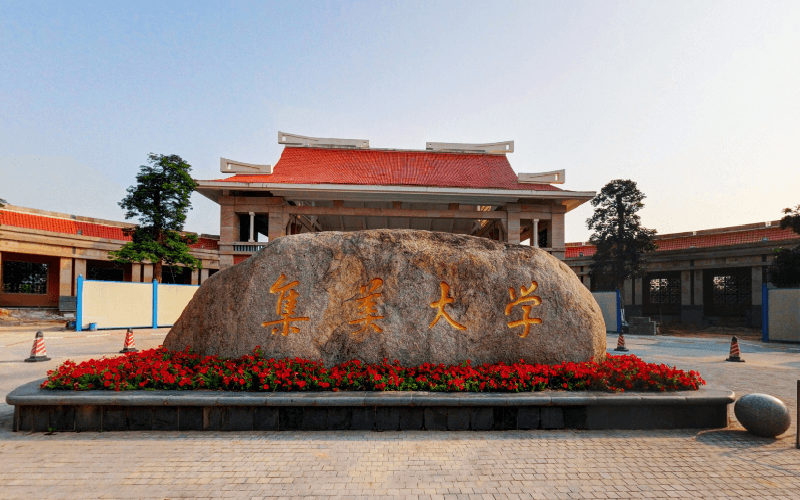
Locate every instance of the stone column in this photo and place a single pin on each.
(756, 281)
(147, 273)
(535, 236)
(195, 276)
(277, 224)
(512, 225)
(252, 225)
(686, 288)
(65, 277)
(691, 313)
(228, 227)
(277, 219)
(136, 273)
(698, 287)
(628, 292)
(588, 281)
(79, 267)
(203, 275)
(638, 294)
(556, 237)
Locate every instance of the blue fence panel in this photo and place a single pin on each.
(79, 308)
(155, 304)
(764, 313)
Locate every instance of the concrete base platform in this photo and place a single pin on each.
(38, 410)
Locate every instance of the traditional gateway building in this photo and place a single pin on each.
(705, 278)
(42, 253)
(344, 185)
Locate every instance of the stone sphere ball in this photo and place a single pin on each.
(762, 415)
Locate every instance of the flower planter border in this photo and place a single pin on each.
(40, 410)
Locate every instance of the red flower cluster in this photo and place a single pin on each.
(162, 369)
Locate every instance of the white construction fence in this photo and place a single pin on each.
(115, 304)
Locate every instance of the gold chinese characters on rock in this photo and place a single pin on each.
(287, 303)
(444, 299)
(532, 300)
(367, 311)
(366, 306)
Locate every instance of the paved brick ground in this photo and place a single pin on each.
(482, 465)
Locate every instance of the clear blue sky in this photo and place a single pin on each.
(698, 102)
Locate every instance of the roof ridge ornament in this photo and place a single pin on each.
(227, 166)
(554, 177)
(456, 147)
(303, 141)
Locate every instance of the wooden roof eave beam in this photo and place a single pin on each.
(571, 199)
(393, 212)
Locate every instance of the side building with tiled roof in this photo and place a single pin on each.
(42, 253)
(709, 277)
(344, 185)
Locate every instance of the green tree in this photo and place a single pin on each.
(619, 237)
(160, 201)
(792, 219)
(2, 202)
(785, 269)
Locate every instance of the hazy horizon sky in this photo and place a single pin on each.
(698, 102)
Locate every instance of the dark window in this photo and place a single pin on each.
(601, 282)
(244, 227)
(543, 239)
(665, 291)
(661, 293)
(105, 274)
(174, 275)
(727, 292)
(24, 277)
(731, 289)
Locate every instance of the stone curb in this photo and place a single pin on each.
(40, 410)
(31, 395)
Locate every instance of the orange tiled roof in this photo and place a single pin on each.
(76, 227)
(576, 251)
(391, 168)
(672, 242)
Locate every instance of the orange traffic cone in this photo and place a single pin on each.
(621, 344)
(38, 352)
(734, 356)
(130, 345)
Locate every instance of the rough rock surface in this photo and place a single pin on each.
(414, 296)
(762, 414)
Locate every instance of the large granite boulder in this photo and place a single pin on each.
(762, 415)
(414, 296)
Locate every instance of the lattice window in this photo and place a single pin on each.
(665, 291)
(731, 289)
(24, 277)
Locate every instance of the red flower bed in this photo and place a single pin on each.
(162, 369)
